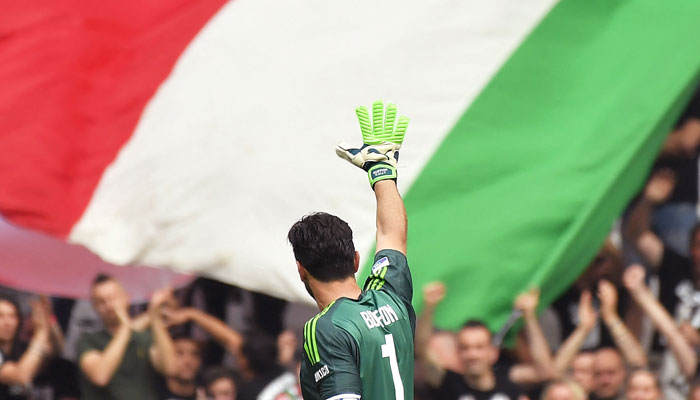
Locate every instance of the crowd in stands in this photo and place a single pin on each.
(628, 328)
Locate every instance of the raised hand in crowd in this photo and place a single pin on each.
(662, 320)
(433, 293)
(542, 367)
(587, 319)
(684, 141)
(229, 338)
(626, 342)
(21, 371)
(162, 353)
(118, 362)
(638, 224)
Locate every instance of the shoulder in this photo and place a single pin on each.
(321, 330)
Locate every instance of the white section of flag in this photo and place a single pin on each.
(238, 143)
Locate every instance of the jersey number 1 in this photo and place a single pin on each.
(389, 351)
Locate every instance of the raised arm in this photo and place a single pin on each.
(637, 227)
(587, 318)
(23, 371)
(433, 293)
(162, 352)
(99, 366)
(391, 217)
(222, 333)
(684, 141)
(382, 137)
(626, 342)
(541, 353)
(642, 295)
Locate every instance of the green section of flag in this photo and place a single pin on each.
(526, 186)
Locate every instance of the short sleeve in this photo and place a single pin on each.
(390, 272)
(85, 343)
(336, 370)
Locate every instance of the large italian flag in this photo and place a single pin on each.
(192, 134)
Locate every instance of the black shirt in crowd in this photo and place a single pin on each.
(686, 169)
(455, 387)
(677, 290)
(13, 392)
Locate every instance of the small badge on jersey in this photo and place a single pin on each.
(381, 263)
(321, 373)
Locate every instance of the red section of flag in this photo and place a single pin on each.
(74, 78)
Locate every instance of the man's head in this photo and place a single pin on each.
(220, 384)
(643, 385)
(9, 319)
(108, 295)
(188, 357)
(609, 373)
(259, 353)
(564, 389)
(476, 352)
(323, 248)
(582, 370)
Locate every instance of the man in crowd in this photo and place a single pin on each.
(220, 384)
(182, 384)
(609, 373)
(679, 276)
(117, 362)
(564, 389)
(479, 377)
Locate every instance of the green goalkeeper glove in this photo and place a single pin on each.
(379, 153)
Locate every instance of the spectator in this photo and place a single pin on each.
(609, 375)
(220, 384)
(118, 362)
(182, 384)
(626, 342)
(564, 389)
(674, 220)
(257, 356)
(582, 363)
(478, 355)
(19, 361)
(583, 370)
(643, 385)
(679, 277)
(685, 357)
(606, 265)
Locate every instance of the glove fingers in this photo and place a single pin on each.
(389, 120)
(400, 132)
(365, 124)
(377, 118)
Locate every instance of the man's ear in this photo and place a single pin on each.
(302, 271)
(357, 260)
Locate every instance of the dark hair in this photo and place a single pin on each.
(476, 323)
(260, 349)
(215, 373)
(322, 243)
(183, 336)
(101, 278)
(17, 347)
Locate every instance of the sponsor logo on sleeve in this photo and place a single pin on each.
(321, 373)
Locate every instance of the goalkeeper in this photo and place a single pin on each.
(361, 343)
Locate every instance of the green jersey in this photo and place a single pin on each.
(363, 348)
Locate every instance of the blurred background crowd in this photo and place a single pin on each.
(627, 328)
